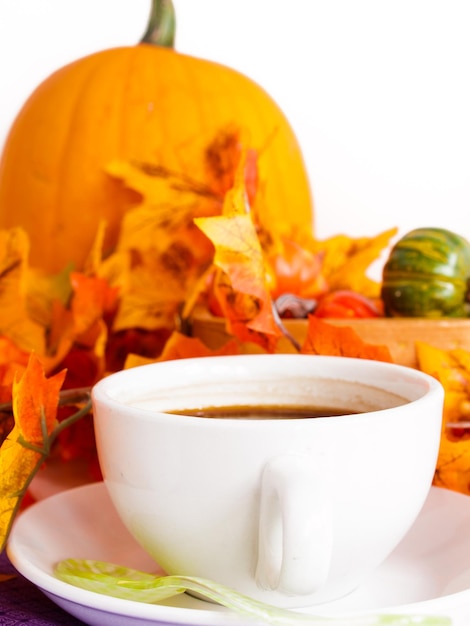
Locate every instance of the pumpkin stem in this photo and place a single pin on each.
(161, 25)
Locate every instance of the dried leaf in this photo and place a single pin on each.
(137, 341)
(78, 333)
(12, 361)
(35, 401)
(15, 322)
(155, 290)
(222, 160)
(452, 369)
(241, 286)
(95, 257)
(327, 339)
(92, 299)
(346, 261)
(161, 252)
(166, 253)
(43, 291)
(181, 346)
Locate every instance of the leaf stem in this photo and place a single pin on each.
(72, 419)
(283, 329)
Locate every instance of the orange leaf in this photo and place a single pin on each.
(92, 300)
(181, 346)
(330, 340)
(35, 401)
(81, 327)
(12, 360)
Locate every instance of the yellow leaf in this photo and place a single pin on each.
(95, 257)
(243, 294)
(452, 369)
(153, 294)
(453, 467)
(346, 261)
(161, 252)
(43, 291)
(168, 203)
(15, 322)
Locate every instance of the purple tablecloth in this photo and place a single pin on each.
(22, 604)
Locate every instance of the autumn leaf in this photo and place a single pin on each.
(240, 283)
(154, 292)
(453, 466)
(43, 291)
(15, 322)
(161, 253)
(92, 299)
(165, 211)
(327, 339)
(346, 261)
(452, 369)
(171, 199)
(222, 160)
(78, 333)
(94, 260)
(12, 360)
(134, 341)
(198, 294)
(181, 346)
(35, 401)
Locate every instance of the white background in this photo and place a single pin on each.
(377, 91)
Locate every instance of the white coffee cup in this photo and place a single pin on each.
(293, 512)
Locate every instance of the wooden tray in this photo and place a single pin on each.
(399, 334)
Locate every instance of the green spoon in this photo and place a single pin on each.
(130, 584)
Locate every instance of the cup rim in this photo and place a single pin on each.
(102, 391)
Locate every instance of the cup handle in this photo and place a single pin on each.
(295, 529)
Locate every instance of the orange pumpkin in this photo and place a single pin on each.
(148, 104)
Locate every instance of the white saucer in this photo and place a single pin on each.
(428, 573)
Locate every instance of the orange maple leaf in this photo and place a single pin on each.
(35, 402)
(330, 340)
